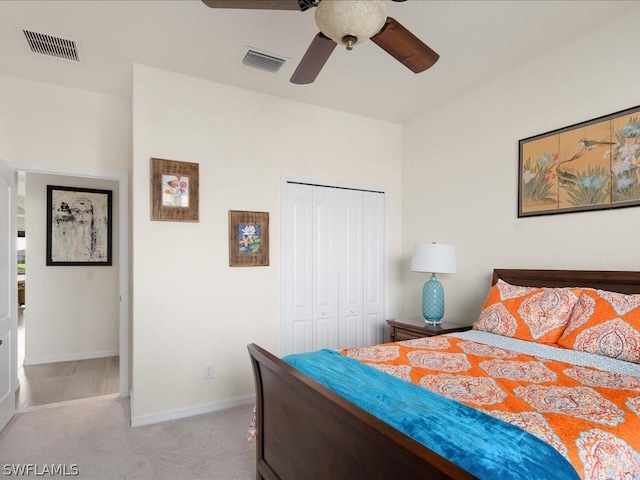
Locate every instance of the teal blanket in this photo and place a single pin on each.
(485, 446)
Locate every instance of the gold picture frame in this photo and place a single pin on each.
(592, 165)
(174, 190)
(248, 239)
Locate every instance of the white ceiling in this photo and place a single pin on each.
(476, 40)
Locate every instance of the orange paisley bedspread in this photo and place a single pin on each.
(589, 415)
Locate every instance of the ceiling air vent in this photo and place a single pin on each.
(53, 46)
(262, 60)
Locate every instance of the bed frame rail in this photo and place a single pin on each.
(306, 431)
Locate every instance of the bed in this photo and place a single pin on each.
(307, 430)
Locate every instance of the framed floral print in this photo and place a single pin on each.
(174, 190)
(592, 165)
(248, 239)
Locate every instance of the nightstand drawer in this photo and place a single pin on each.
(410, 328)
(401, 335)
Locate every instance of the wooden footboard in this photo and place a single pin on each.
(306, 431)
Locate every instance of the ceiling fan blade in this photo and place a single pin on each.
(254, 4)
(314, 59)
(405, 47)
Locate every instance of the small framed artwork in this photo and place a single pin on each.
(79, 226)
(174, 190)
(248, 239)
(593, 165)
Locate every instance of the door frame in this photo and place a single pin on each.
(8, 407)
(284, 179)
(123, 249)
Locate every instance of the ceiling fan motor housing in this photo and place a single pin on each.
(345, 20)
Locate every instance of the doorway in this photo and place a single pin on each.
(51, 377)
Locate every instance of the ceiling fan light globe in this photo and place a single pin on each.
(338, 19)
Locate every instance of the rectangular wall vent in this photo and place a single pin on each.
(53, 46)
(264, 61)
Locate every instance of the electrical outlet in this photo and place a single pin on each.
(208, 372)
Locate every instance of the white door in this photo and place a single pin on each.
(373, 267)
(8, 294)
(297, 270)
(333, 243)
(350, 253)
(325, 270)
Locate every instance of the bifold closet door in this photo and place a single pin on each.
(373, 267)
(333, 260)
(337, 266)
(297, 282)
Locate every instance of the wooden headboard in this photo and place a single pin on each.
(614, 281)
(307, 431)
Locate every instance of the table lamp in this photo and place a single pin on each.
(433, 258)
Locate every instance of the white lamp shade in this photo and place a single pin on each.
(433, 258)
(362, 19)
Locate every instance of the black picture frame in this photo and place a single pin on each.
(592, 165)
(79, 226)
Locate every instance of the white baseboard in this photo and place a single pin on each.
(140, 420)
(69, 357)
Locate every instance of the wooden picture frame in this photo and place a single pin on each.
(174, 190)
(592, 165)
(248, 239)
(79, 226)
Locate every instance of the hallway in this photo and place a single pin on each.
(63, 381)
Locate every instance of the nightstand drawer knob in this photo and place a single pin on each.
(324, 314)
(353, 310)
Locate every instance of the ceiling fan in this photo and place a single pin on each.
(348, 22)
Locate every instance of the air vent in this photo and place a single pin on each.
(262, 60)
(53, 46)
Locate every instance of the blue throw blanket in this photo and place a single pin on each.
(485, 446)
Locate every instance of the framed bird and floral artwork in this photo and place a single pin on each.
(592, 165)
(174, 190)
(248, 239)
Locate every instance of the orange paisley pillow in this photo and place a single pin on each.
(529, 313)
(605, 323)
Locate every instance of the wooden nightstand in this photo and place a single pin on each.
(416, 327)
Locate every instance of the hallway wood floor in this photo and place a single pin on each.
(62, 381)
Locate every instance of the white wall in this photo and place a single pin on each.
(460, 171)
(44, 124)
(72, 312)
(65, 129)
(190, 307)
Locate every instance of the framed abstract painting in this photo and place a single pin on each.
(174, 190)
(248, 239)
(592, 165)
(79, 226)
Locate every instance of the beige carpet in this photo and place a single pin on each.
(95, 436)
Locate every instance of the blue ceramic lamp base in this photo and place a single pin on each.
(433, 301)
